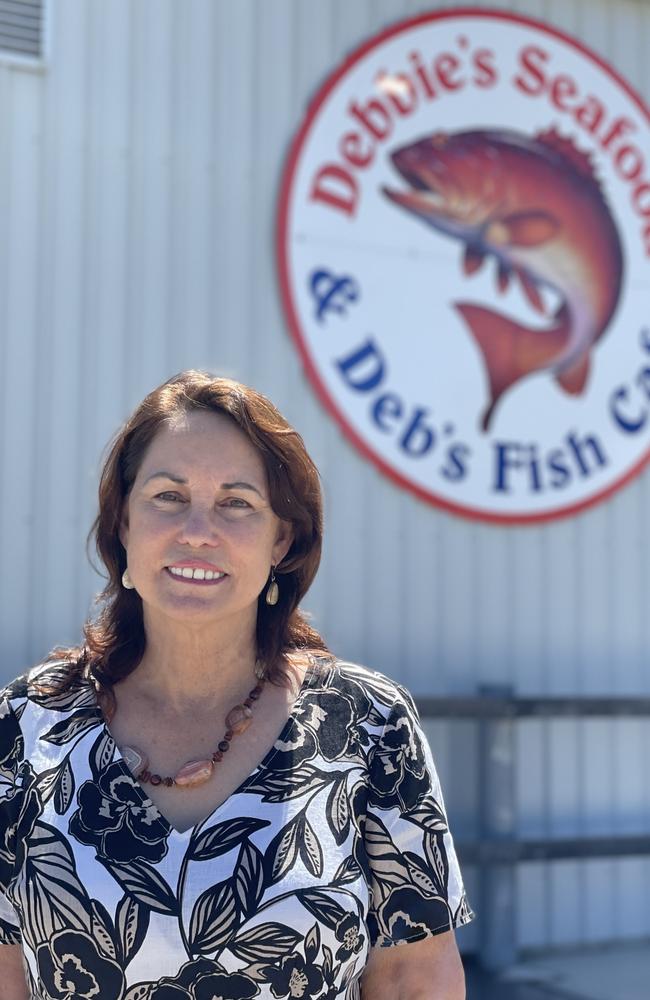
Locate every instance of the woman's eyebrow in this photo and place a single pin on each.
(183, 482)
(241, 486)
(165, 475)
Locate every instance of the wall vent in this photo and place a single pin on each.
(21, 29)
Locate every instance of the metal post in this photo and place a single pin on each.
(497, 914)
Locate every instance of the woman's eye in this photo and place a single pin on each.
(237, 502)
(168, 495)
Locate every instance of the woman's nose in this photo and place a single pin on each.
(199, 527)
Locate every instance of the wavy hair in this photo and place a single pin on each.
(115, 639)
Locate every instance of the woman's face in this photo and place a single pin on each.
(200, 502)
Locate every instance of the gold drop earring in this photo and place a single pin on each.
(273, 591)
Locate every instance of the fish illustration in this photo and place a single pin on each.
(534, 204)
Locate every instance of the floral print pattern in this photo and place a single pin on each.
(347, 932)
(399, 770)
(114, 818)
(336, 842)
(71, 967)
(205, 981)
(294, 978)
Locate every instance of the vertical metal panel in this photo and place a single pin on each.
(64, 247)
(19, 205)
(138, 185)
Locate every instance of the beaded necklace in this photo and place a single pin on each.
(194, 772)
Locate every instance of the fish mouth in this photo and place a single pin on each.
(438, 199)
(438, 193)
(417, 183)
(421, 200)
(427, 190)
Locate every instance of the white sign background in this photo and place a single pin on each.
(409, 276)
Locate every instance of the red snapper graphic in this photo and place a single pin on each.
(535, 205)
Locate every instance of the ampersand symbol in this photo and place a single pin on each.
(332, 294)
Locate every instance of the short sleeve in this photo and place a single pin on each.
(11, 752)
(416, 884)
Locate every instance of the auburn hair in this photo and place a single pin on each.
(115, 639)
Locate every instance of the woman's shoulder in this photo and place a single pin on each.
(17, 688)
(48, 702)
(55, 683)
(354, 679)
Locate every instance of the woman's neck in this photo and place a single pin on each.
(184, 669)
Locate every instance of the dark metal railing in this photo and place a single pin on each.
(500, 706)
(498, 850)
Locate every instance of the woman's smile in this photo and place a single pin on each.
(197, 575)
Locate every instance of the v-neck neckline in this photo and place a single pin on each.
(312, 673)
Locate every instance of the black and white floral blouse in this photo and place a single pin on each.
(336, 842)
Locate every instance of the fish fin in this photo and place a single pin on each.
(574, 379)
(566, 147)
(472, 259)
(522, 229)
(531, 291)
(510, 351)
(503, 276)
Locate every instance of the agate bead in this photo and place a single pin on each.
(195, 772)
(239, 719)
(135, 759)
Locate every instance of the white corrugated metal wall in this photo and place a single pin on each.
(139, 172)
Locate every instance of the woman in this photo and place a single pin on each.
(201, 801)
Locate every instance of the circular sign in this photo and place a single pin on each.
(464, 249)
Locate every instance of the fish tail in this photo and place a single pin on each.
(510, 350)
